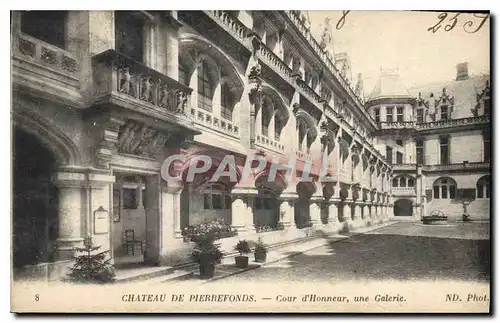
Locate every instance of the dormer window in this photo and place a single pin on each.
(444, 112)
(486, 106)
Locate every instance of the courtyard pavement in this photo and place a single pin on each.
(402, 251)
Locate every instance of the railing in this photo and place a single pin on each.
(309, 92)
(397, 125)
(461, 166)
(325, 56)
(453, 122)
(42, 53)
(268, 56)
(234, 25)
(404, 167)
(266, 142)
(225, 126)
(120, 76)
(404, 191)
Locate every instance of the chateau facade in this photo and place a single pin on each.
(102, 98)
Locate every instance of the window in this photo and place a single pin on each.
(399, 158)
(266, 117)
(411, 182)
(486, 105)
(402, 182)
(277, 127)
(226, 102)
(377, 114)
(483, 187)
(420, 115)
(390, 116)
(302, 133)
(205, 88)
(420, 151)
(486, 147)
(129, 35)
(444, 112)
(399, 142)
(444, 150)
(388, 155)
(400, 114)
(49, 26)
(183, 75)
(216, 198)
(130, 198)
(395, 182)
(444, 188)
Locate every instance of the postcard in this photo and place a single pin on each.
(251, 161)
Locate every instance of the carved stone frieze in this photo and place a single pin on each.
(136, 138)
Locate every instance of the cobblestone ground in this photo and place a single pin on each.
(403, 251)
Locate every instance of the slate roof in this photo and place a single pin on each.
(464, 92)
(389, 85)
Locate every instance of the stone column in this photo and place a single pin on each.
(287, 216)
(70, 212)
(333, 215)
(357, 211)
(315, 210)
(379, 213)
(242, 209)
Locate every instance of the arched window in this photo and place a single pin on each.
(267, 113)
(226, 102)
(411, 182)
(302, 133)
(483, 188)
(395, 182)
(444, 188)
(205, 87)
(314, 82)
(402, 182)
(183, 74)
(216, 197)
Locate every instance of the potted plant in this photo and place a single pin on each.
(260, 252)
(206, 253)
(243, 248)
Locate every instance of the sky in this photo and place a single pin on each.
(400, 39)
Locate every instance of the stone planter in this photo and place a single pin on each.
(241, 262)
(260, 257)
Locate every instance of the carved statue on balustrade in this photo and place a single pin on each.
(163, 96)
(125, 81)
(181, 102)
(146, 89)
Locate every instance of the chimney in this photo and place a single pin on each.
(462, 71)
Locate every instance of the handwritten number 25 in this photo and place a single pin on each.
(448, 27)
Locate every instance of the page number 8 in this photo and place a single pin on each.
(37, 297)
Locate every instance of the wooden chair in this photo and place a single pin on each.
(131, 242)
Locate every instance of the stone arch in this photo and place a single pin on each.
(216, 157)
(403, 207)
(56, 141)
(192, 43)
(278, 185)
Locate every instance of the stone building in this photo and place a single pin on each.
(102, 98)
(437, 138)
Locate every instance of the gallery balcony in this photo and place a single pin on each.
(398, 125)
(403, 191)
(404, 167)
(45, 71)
(123, 83)
(458, 167)
(470, 122)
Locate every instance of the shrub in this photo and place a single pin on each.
(260, 247)
(242, 247)
(91, 268)
(206, 250)
(216, 229)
